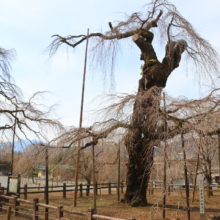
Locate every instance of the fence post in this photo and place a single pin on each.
(59, 211)
(96, 188)
(208, 190)
(39, 186)
(90, 213)
(152, 188)
(64, 190)
(52, 185)
(169, 190)
(45, 192)
(9, 213)
(15, 206)
(80, 188)
(88, 189)
(109, 188)
(25, 191)
(35, 208)
(45, 215)
(122, 185)
(1, 199)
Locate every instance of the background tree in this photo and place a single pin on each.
(29, 117)
(143, 132)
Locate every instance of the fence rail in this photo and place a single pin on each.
(66, 188)
(35, 212)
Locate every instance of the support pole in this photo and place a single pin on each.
(165, 159)
(80, 124)
(219, 158)
(13, 144)
(118, 172)
(186, 179)
(46, 180)
(93, 172)
(197, 167)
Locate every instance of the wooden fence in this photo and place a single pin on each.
(154, 186)
(33, 209)
(66, 188)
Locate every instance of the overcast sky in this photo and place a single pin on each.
(27, 26)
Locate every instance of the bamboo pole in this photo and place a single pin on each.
(165, 159)
(80, 124)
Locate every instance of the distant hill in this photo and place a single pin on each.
(20, 145)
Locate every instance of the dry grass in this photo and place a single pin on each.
(109, 206)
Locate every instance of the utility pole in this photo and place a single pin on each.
(165, 159)
(80, 124)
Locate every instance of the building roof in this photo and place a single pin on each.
(60, 166)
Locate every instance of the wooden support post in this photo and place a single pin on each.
(122, 185)
(94, 181)
(165, 159)
(15, 206)
(109, 188)
(35, 208)
(90, 213)
(45, 193)
(64, 190)
(46, 216)
(25, 191)
(186, 178)
(9, 213)
(96, 188)
(39, 186)
(152, 188)
(59, 211)
(88, 189)
(169, 190)
(208, 190)
(80, 188)
(52, 185)
(1, 199)
(80, 125)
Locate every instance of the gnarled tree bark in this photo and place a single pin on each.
(141, 135)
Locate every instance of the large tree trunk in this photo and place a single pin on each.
(139, 143)
(141, 137)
